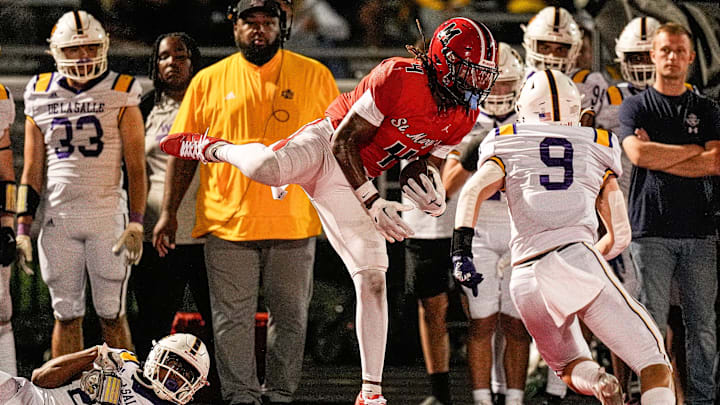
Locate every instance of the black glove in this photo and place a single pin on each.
(8, 246)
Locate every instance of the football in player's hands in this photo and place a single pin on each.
(413, 170)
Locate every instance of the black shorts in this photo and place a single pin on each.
(427, 267)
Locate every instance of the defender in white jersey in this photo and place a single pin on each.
(7, 231)
(176, 368)
(82, 122)
(498, 342)
(556, 178)
(552, 40)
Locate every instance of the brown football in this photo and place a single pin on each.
(413, 170)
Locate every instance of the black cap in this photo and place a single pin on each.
(269, 6)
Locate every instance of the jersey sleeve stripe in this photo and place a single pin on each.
(602, 137)
(123, 83)
(129, 356)
(42, 84)
(554, 94)
(121, 113)
(615, 96)
(29, 118)
(499, 162)
(4, 95)
(508, 129)
(608, 173)
(581, 76)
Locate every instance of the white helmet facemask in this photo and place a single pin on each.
(633, 51)
(78, 28)
(506, 89)
(551, 24)
(177, 367)
(549, 97)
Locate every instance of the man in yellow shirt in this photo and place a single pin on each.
(262, 93)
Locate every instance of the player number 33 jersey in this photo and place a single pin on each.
(82, 139)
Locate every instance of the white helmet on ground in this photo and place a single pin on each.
(551, 24)
(549, 97)
(633, 51)
(507, 85)
(78, 28)
(177, 367)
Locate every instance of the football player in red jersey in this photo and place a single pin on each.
(404, 109)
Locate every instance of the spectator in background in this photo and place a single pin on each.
(633, 51)
(671, 136)
(493, 317)
(7, 232)
(433, 12)
(315, 23)
(260, 94)
(175, 60)
(82, 122)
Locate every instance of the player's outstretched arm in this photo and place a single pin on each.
(178, 176)
(352, 132)
(488, 180)
(611, 207)
(61, 370)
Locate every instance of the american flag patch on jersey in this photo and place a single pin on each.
(545, 116)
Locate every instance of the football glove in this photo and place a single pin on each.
(430, 196)
(464, 272)
(387, 220)
(108, 360)
(132, 240)
(8, 246)
(25, 253)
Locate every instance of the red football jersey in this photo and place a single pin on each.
(411, 123)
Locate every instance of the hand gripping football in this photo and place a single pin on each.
(413, 170)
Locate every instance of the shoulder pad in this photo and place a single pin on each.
(580, 76)
(603, 137)
(615, 96)
(42, 82)
(508, 129)
(123, 83)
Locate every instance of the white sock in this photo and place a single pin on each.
(482, 394)
(369, 390)
(658, 396)
(254, 160)
(371, 322)
(8, 362)
(514, 394)
(555, 385)
(584, 375)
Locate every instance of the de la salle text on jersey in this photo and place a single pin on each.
(86, 107)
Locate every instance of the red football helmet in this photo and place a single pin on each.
(464, 55)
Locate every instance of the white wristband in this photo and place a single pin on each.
(365, 191)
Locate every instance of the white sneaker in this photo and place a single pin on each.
(607, 389)
(373, 400)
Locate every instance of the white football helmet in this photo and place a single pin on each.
(509, 81)
(177, 367)
(551, 24)
(549, 97)
(77, 28)
(636, 38)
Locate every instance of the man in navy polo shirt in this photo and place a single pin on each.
(672, 137)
